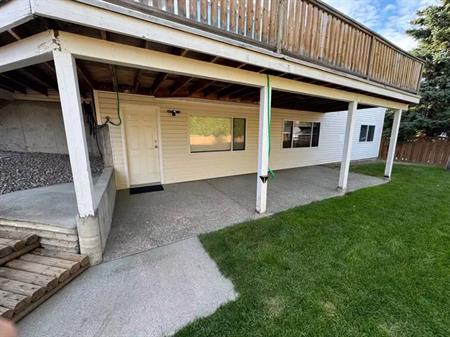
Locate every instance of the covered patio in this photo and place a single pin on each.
(149, 220)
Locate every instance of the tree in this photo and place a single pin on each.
(432, 115)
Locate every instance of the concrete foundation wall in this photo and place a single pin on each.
(29, 126)
(105, 190)
(93, 231)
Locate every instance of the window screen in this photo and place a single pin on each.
(363, 133)
(238, 134)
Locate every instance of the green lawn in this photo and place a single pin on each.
(373, 263)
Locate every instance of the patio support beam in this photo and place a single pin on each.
(69, 94)
(88, 227)
(26, 52)
(263, 152)
(392, 144)
(92, 49)
(348, 142)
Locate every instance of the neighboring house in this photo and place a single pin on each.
(195, 89)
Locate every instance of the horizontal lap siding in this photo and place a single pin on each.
(180, 165)
(363, 150)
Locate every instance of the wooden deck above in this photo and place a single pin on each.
(308, 30)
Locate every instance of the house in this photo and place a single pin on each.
(184, 90)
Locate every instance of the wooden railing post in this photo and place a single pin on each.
(370, 60)
(281, 23)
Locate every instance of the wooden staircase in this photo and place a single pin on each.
(29, 274)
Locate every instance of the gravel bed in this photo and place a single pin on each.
(25, 170)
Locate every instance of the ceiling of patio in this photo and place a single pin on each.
(99, 76)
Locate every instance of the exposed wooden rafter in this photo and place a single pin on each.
(27, 82)
(85, 77)
(7, 84)
(40, 77)
(213, 82)
(163, 76)
(185, 82)
(137, 75)
(112, 71)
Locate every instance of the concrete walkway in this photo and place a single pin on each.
(150, 294)
(149, 220)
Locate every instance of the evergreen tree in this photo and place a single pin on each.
(431, 116)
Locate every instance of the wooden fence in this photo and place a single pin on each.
(305, 29)
(425, 151)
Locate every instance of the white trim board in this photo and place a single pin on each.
(38, 48)
(31, 50)
(14, 13)
(109, 17)
(110, 52)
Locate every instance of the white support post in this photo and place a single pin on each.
(69, 94)
(392, 144)
(348, 142)
(263, 152)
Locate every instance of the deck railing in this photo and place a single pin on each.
(305, 29)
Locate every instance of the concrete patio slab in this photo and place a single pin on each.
(183, 210)
(150, 294)
(55, 205)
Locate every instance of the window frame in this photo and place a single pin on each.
(231, 150)
(366, 139)
(293, 121)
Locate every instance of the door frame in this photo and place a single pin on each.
(123, 113)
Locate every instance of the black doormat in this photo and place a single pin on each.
(145, 189)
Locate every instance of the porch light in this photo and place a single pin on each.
(173, 112)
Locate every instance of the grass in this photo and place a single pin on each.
(373, 263)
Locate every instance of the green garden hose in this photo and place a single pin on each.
(269, 108)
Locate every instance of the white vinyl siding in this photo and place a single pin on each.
(181, 165)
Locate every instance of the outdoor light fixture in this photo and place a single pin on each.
(173, 112)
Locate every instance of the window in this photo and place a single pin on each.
(371, 133)
(300, 134)
(211, 134)
(238, 134)
(287, 134)
(366, 133)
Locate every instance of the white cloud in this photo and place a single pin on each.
(391, 21)
(363, 11)
(388, 8)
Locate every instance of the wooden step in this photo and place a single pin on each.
(13, 301)
(5, 250)
(14, 244)
(27, 277)
(6, 312)
(72, 266)
(30, 279)
(31, 290)
(60, 273)
(82, 259)
(27, 237)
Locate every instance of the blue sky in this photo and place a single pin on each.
(390, 18)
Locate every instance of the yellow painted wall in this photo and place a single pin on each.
(181, 165)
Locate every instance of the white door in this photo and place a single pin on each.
(141, 129)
